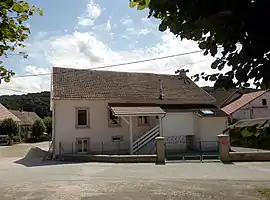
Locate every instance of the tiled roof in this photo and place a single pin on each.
(25, 117)
(241, 102)
(88, 84)
(5, 114)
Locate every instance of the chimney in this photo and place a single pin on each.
(182, 73)
(160, 90)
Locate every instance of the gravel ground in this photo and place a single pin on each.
(32, 179)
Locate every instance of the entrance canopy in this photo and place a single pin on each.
(137, 111)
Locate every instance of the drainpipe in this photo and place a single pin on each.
(161, 125)
(53, 128)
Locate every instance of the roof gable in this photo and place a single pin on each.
(242, 101)
(5, 114)
(25, 117)
(89, 84)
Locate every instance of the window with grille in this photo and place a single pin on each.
(143, 120)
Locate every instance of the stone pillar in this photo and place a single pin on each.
(160, 144)
(224, 147)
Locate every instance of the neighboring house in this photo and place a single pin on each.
(105, 112)
(5, 114)
(27, 119)
(23, 118)
(247, 106)
(221, 94)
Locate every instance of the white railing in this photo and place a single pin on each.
(145, 138)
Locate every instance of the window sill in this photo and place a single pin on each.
(82, 127)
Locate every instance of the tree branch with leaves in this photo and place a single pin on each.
(236, 27)
(13, 30)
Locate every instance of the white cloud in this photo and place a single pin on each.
(126, 21)
(144, 31)
(92, 12)
(84, 50)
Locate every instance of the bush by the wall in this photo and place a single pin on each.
(48, 123)
(38, 128)
(9, 127)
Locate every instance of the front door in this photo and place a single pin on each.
(82, 145)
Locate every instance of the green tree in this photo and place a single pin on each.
(48, 123)
(38, 128)
(221, 25)
(9, 127)
(13, 30)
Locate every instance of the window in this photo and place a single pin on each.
(143, 120)
(82, 117)
(113, 120)
(82, 145)
(264, 102)
(207, 111)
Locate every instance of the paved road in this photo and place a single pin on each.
(132, 181)
(30, 178)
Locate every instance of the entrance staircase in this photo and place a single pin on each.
(146, 143)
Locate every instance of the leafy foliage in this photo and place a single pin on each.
(48, 123)
(38, 128)
(13, 31)
(9, 127)
(236, 28)
(32, 102)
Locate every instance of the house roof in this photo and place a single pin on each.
(242, 101)
(5, 114)
(25, 117)
(88, 84)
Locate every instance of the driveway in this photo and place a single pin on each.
(244, 149)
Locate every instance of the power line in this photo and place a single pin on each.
(121, 64)
(9, 89)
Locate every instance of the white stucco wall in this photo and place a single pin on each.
(99, 131)
(176, 126)
(209, 128)
(258, 110)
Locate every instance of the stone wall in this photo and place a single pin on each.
(250, 156)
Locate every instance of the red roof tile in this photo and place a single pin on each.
(241, 102)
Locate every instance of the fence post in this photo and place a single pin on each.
(160, 150)
(60, 148)
(72, 151)
(224, 148)
(102, 148)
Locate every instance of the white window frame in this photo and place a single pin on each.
(87, 117)
(87, 145)
(141, 119)
(109, 120)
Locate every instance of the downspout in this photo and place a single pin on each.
(53, 128)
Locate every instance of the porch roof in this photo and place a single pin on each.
(137, 111)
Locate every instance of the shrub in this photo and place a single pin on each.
(38, 128)
(10, 128)
(48, 123)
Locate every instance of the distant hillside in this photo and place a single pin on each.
(36, 102)
(40, 102)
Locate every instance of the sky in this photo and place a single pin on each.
(88, 34)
